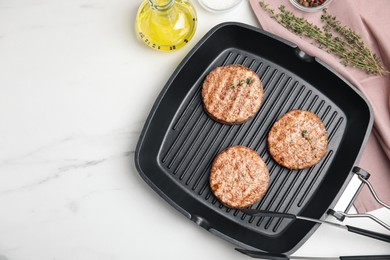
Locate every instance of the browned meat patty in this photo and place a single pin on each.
(239, 177)
(232, 94)
(298, 140)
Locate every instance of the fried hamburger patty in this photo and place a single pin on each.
(239, 177)
(298, 140)
(232, 94)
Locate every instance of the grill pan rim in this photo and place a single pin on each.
(173, 77)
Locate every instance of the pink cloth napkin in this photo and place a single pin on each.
(371, 19)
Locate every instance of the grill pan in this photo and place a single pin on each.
(179, 140)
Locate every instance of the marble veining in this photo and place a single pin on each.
(90, 6)
(62, 163)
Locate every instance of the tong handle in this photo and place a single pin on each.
(369, 233)
(262, 255)
(270, 256)
(273, 214)
(366, 257)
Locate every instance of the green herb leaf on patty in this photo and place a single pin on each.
(304, 134)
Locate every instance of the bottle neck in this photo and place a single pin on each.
(161, 5)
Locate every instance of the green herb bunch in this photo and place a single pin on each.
(348, 46)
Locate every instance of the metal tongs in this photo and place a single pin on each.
(363, 176)
(353, 229)
(339, 215)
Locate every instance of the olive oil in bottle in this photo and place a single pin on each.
(166, 25)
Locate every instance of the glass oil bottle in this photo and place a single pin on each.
(166, 25)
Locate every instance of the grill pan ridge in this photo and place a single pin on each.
(180, 141)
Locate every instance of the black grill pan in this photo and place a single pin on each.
(179, 140)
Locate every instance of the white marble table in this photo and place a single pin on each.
(75, 89)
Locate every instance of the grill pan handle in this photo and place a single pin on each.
(363, 176)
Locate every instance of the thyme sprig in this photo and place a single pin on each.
(348, 46)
